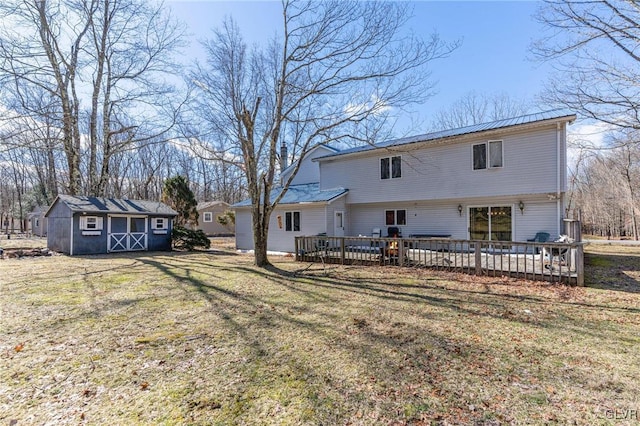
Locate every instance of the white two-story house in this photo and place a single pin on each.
(505, 180)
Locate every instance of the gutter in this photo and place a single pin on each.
(455, 138)
(558, 171)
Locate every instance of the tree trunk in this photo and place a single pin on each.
(260, 236)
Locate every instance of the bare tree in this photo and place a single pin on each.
(475, 108)
(594, 47)
(103, 64)
(334, 63)
(605, 187)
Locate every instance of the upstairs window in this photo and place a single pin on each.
(292, 221)
(207, 217)
(494, 159)
(391, 167)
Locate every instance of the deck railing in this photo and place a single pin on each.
(551, 261)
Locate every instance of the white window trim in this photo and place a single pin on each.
(154, 223)
(492, 206)
(204, 216)
(391, 157)
(487, 147)
(501, 154)
(84, 223)
(293, 212)
(395, 217)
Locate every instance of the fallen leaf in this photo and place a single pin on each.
(19, 347)
(144, 385)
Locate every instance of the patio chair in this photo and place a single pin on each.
(558, 254)
(541, 237)
(394, 232)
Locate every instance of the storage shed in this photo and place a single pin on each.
(80, 225)
(38, 222)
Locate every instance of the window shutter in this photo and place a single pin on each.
(83, 222)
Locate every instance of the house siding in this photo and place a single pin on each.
(312, 222)
(244, 229)
(442, 217)
(331, 208)
(309, 171)
(437, 181)
(445, 171)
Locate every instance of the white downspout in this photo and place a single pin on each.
(558, 171)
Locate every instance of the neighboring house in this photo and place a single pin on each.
(208, 218)
(92, 225)
(38, 222)
(504, 181)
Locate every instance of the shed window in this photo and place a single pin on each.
(159, 223)
(207, 217)
(391, 167)
(292, 221)
(91, 223)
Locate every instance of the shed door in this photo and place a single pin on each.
(127, 233)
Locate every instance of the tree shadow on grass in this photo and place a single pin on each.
(612, 272)
(396, 351)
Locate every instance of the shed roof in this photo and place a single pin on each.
(540, 117)
(298, 194)
(113, 205)
(210, 204)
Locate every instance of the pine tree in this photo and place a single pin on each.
(177, 194)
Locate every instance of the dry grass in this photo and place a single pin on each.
(207, 338)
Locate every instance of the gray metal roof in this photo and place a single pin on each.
(210, 204)
(114, 205)
(297, 194)
(562, 115)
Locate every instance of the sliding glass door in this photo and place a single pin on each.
(492, 223)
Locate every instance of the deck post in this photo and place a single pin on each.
(478, 254)
(400, 253)
(295, 247)
(580, 265)
(342, 251)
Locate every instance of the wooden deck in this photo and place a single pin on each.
(556, 262)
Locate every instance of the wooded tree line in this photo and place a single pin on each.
(593, 46)
(94, 101)
(92, 105)
(31, 176)
(606, 187)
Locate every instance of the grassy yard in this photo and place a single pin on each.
(207, 338)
